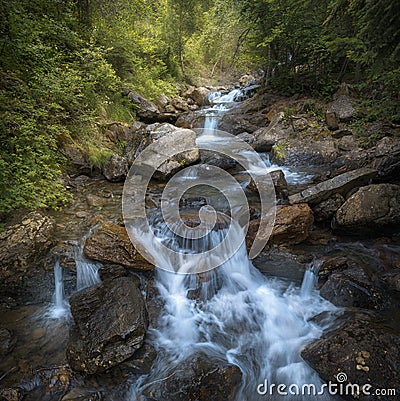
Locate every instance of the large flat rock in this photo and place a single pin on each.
(340, 184)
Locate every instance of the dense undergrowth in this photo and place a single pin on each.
(64, 66)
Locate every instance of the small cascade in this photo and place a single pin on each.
(310, 279)
(235, 313)
(221, 103)
(292, 177)
(87, 271)
(60, 306)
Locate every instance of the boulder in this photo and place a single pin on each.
(110, 323)
(348, 143)
(304, 151)
(248, 116)
(266, 138)
(78, 160)
(116, 168)
(23, 244)
(371, 209)
(331, 120)
(110, 243)
(366, 353)
(200, 95)
(387, 159)
(248, 138)
(292, 226)
(342, 104)
(198, 378)
(352, 288)
(190, 120)
(148, 112)
(279, 181)
(179, 104)
(340, 184)
(325, 210)
(172, 139)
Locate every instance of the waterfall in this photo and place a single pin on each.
(87, 271)
(232, 312)
(59, 307)
(310, 278)
(221, 103)
(235, 313)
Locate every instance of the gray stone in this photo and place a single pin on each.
(110, 323)
(326, 209)
(198, 378)
(340, 184)
(116, 168)
(372, 208)
(366, 352)
(266, 138)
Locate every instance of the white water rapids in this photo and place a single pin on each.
(235, 313)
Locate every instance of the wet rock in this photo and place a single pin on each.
(342, 104)
(387, 159)
(248, 138)
(218, 160)
(198, 378)
(352, 288)
(366, 353)
(96, 201)
(279, 181)
(116, 168)
(10, 394)
(340, 184)
(292, 226)
(371, 209)
(266, 138)
(23, 244)
(109, 272)
(142, 360)
(173, 141)
(331, 120)
(199, 95)
(248, 116)
(110, 243)
(110, 323)
(190, 120)
(328, 265)
(325, 210)
(7, 342)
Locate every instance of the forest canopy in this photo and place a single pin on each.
(65, 65)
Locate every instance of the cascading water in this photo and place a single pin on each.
(221, 103)
(87, 271)
(86, 276)
(59, 307)
(233, 312)
(238, 315)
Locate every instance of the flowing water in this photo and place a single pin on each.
(59, 308)
(234, 312)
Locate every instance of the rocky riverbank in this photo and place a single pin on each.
(345, 220)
